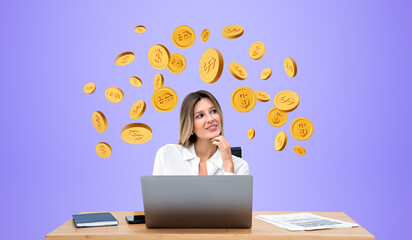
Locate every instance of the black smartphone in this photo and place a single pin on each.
(136, 219)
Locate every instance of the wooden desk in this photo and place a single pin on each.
(260, 230)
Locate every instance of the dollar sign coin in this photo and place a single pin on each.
(183, 36)
(136, 133)
(299, 150)
(137, 110)
(103, 150)
(99, 121)
(124, 58)
(158, 56)
(89, 88)
(280, 141)
(243, 99)
(158, 81)
(238, 71)
(204, 36)
(276, 117)
(232, 31)
(291, 68)
(211, 65)
(301, 128)
(266, 73)
(286, 101)
(262, 96)
(135, 81)
(257, 50)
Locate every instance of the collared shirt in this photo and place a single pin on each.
(174, 159)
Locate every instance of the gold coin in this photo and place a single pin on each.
(251, 133)
(183, 36)
(266, 73)
(262, 96)
(103, 150)
(257, 50)
(99, 121)
(158, 56)
(232, 31)
(89, 88)
(136, 133)
(124, 58)
(140, 29)
(135, 81)
(301, 128)
(177, 63)
(299, 150)
(290, 67)
(277, 118)
(211, 65)
(164, 99)
(114, 94)
(281, 140)
(238, 71)
(137, 110)
(243, 99)
(204, 36)
(287, 101)
(158, 81)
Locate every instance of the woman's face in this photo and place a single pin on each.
(206, 122)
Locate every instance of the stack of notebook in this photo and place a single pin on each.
(94, 220)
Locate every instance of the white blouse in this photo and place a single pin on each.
(174, 159)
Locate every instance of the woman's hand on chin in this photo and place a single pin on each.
(224, 146)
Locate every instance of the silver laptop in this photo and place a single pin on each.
(197, 201)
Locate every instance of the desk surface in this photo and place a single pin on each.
(260, 230)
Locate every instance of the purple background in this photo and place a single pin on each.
(353, 81)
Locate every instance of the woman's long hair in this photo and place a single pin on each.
(186, 135)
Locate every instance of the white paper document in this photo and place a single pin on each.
(304, 221)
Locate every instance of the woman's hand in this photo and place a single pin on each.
(223, 145)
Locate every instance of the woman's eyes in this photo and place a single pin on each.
(201, 115)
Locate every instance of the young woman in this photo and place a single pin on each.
(202, 148)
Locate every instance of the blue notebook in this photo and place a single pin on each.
(94, 220)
